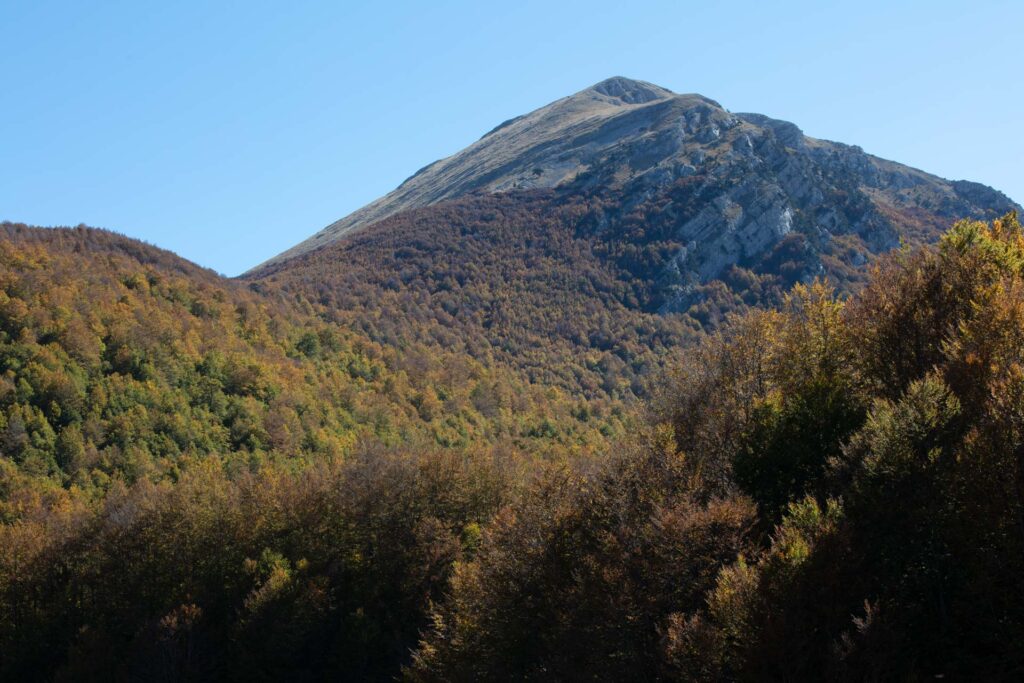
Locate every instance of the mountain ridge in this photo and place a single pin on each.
(617, 131)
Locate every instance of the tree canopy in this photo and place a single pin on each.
(206, 480)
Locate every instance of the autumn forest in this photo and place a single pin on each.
(204, 478)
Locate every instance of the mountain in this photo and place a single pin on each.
(583, 245)
(762, 178)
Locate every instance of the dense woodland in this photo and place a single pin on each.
(570, 287)
(203, 479)
(121, 360)
(542, 301)
(563, 288)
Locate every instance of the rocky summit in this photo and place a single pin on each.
(757, 179)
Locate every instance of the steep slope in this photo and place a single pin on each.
(521, 280)
(623, 133)
(541, 149)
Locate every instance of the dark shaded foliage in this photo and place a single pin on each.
(268, 576)
(882, 441)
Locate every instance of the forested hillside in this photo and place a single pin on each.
(833, 491)
(517, 280)
(123, 362)
(205, 479)
(132, 379)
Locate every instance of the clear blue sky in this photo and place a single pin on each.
(228, 131)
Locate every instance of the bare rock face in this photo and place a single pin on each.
(761, 178)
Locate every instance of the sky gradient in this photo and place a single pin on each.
(229, 131)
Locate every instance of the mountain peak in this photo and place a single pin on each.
(765, 173)
(545, 148)
(630, 91)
